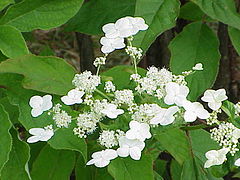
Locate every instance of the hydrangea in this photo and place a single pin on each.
(102, 158)
(165, 116)
(40, 104)
(40, 134)
(132, 147)
(62, 119)
(214, 98)
(110, 44)
(198, 67)
(175, 94)
(99, 61)
(140, 131)
(194, 110)
(111, 111)
(74, 96)
(215, 157)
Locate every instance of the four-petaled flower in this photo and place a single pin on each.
(164, 116)
(102, 158)
(140, 131)
(215, 157)
(176, 94)
(124, 27)
(74, 96)
(111, 111)
(214, 98)
(132, 147)
(110, 44)
(40, 104)
(194, 110)
(40, 134)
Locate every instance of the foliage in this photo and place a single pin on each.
(176, 150)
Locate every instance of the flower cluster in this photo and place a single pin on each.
(160, 98)
(116, 32)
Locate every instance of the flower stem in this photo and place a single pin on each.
(102, 94)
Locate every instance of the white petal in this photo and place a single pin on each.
(36, 131)
(236, 133)
(107, 49)
(135, 153)
(110, 30)
(101, 163)
(221, 95)
(131, 134)
(36, 112)
(92, 161)
(97, 155)
(189, 116)
(203, 114)
(237, 162)
(169, 99)
(134, 125)
(36, 101)
(167, 121)
(208, 164)
(211, 154)
(214, 105)
(68, 101)
(208, 96)
(123, 152)
(33, 139)
(47, 102)
(47, 135)
(110, 154)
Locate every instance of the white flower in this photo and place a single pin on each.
(129, 26)
(132, 147)
(86, 81)
(124, 27)
(74, 96)
(110, 44)
(164, 116)
(215, 157)
(198, 67)
(236, 134)
(111, 111)
(40, 134)
(140, 131)
(214, 98)
(102, 158)
(109, 87)
(40, 104)
(176, 94)
(194, 110)
(237, 162)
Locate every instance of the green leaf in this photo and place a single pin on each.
(179, 146)
(196, 44)
(40, 14)
(46, 74)
(62, 139)
(120, 75)
(234, 35)
(102, 12)
(160, 15)
(5, 3)
(17, 167)
(192, 12)
(129, 169)
(53, 164)
(5, 137)
(175, 170)
(12, 43)
(223, 11)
